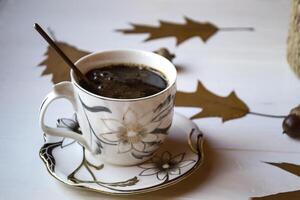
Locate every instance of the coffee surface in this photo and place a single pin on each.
(125, 81)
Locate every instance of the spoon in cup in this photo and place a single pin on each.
(78, 73)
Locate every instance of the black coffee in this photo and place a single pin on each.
(125, 81)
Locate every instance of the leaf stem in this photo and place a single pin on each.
(236, 29)
(267, 115)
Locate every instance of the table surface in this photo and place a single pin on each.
(253, 64)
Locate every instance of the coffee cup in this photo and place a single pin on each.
(117, 131)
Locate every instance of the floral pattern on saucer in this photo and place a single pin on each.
(67, 161)
(165, 165)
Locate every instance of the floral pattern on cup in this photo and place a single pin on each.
(132, 133)
(139, 135)
(70, 124)
(165, 165)
(92, 108)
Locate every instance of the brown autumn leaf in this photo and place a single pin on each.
(291, 195)
(228, 108)
(292, 168)
(55, 64)
(181, 32)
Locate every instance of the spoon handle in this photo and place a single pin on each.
(61, 53)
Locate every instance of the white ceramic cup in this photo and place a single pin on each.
(117, 131)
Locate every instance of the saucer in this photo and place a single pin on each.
(179, 156)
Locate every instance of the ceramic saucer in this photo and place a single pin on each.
(180, 156)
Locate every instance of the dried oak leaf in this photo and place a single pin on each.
(55, 64)
(290, 195)
(292, 168)
(181, 32)
(228, 108)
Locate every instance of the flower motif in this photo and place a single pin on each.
(70, 124)
(165, 165)
(132, 133)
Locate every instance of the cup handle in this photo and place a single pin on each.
(60, 90)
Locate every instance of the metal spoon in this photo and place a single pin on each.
(78, 73)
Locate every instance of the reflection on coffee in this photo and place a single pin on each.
(125, 81)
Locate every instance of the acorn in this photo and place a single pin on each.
(291, 123)
(165, 53)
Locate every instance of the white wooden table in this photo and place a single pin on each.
(251, 63)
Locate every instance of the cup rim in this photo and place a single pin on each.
(73, 79)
